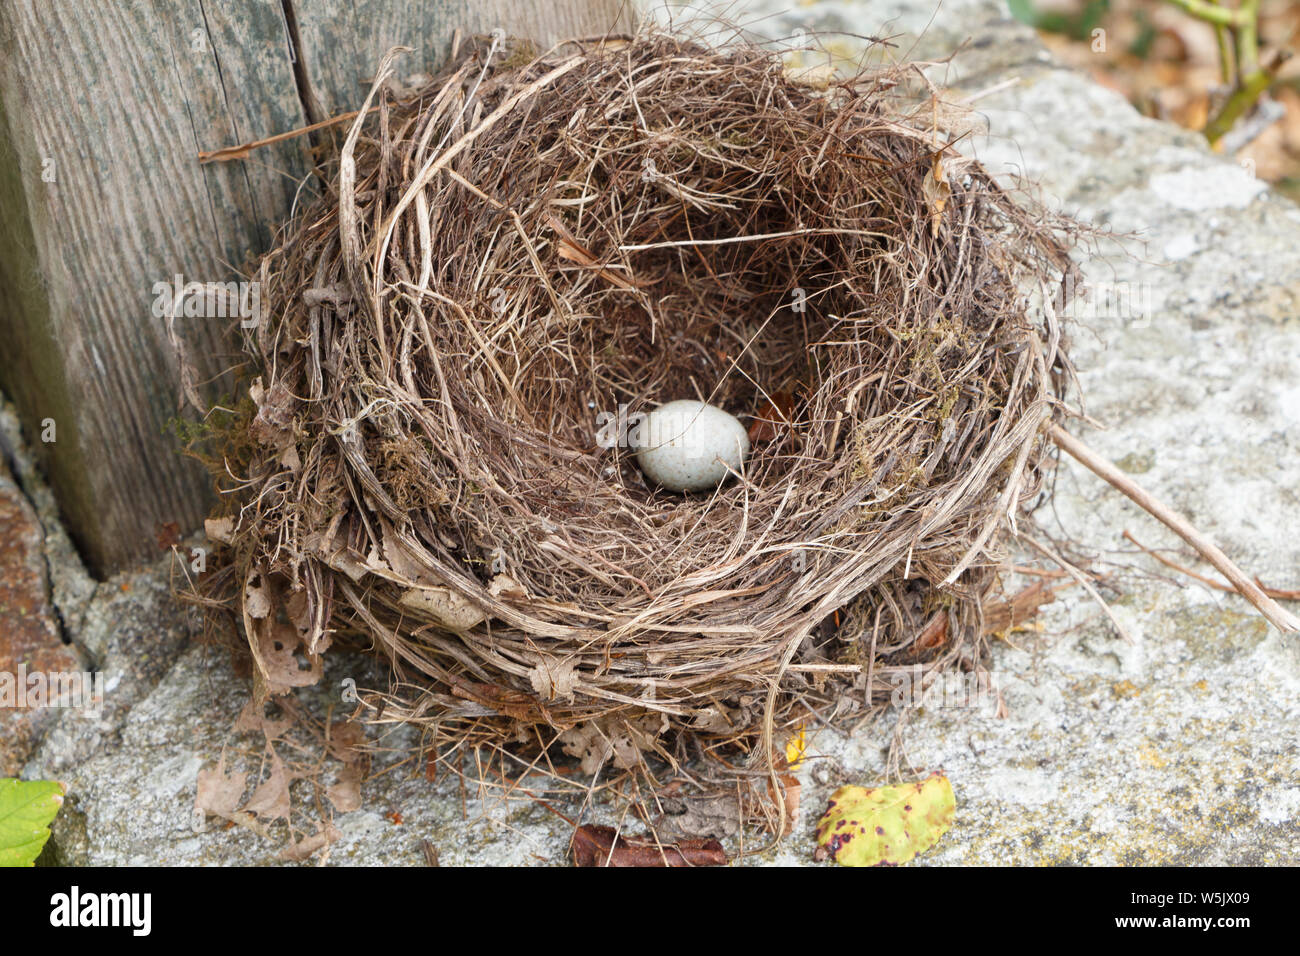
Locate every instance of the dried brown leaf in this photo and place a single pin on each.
(218, 791)
(346, 793)
(603, 846)
(309, 845)
(271, 798)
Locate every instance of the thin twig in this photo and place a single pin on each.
(1279, 616)
(1083, 581)
(1277, 594)
(229, 153)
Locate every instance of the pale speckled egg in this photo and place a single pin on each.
(688, 445)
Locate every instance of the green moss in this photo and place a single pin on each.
(523, 53)
(1137, 463)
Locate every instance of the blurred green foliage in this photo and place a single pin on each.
(1077, 26)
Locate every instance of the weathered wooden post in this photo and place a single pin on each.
(103, 110)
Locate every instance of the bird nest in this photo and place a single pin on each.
(513, 260)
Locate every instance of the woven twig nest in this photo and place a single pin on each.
(512, 261)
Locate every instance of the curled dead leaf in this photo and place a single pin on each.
(620, 742)
(554, 680)
(220, 530)
(774, 415)
(168, 535)
(521, 706)
(714, 718)
(309, 845)
(604, 846)
(935, 632)
(937, 191)
(345, 794)
(450, 608)
(257, 597)
(271, 798)
(252, 718)
(276, 654)
(445, 607)
(273, 423)
(219, 792)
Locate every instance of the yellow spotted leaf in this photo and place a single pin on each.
(885, 825)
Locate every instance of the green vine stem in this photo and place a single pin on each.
(1213, 13)
(1237, 32)
(1244, 98)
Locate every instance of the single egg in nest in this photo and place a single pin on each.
(689, 445)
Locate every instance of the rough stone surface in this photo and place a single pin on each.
(1179, 747)
(31, 642)
(131, 632)
(68, 583)
(127, 630)
(133, 803)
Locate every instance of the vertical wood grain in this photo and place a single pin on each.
(343, 41)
